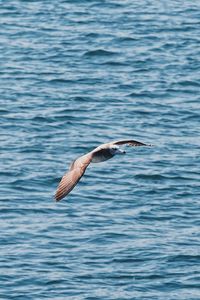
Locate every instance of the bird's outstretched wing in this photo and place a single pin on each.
(130, 143)
(71, 178)
(78, 167)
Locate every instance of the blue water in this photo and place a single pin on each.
(73, 75)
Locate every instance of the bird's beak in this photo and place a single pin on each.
(120, 151)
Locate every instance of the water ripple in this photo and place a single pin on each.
(75, 74)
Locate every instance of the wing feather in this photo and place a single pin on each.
(130, 143)
(71, 178)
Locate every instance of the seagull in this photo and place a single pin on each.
(79, 165)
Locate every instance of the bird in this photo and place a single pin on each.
(79, 165)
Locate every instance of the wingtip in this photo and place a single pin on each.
(56, 198)
(148, 145)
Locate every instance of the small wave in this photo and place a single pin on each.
(144, 94)
(115, 63)
(92, 35)
(151, 177)
(187, 83)
(99, 52)
(61, 80)
(184, 258)
(127, 39)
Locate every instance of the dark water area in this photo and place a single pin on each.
(73, 75)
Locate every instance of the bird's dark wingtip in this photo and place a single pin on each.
(56, 199)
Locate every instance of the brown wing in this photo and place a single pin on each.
(130, 143)
(71, 178)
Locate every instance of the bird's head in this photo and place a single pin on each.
(114, 149)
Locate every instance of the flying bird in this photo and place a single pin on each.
(79, 166)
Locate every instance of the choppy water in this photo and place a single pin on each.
(75, 74)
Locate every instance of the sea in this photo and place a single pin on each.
(73, 75)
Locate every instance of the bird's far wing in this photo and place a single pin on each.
(130, 143)
(71, 178)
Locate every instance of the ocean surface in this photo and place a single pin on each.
(75, 74)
